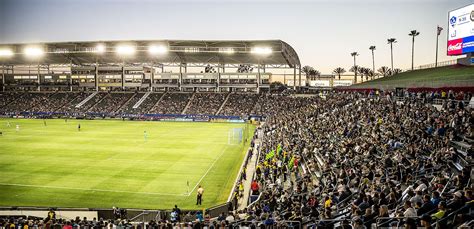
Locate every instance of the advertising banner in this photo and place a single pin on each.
(461, 31)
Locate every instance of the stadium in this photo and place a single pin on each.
(234, 133)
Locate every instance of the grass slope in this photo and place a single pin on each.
(109, 163)
(451, 76)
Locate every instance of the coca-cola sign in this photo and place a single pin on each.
(455, 47)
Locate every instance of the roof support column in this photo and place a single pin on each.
(70, 76)
(258, 79)
(180, 76)
(39, 78)
(299, 73)
(294, 78)
(218, 78)
(152, 77)
(96, 76)
(3, 77)
(123, 76)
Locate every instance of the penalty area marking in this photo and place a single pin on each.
(91, 189)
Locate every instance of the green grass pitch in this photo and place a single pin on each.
(109, 163)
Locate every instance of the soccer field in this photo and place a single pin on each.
(112, 163)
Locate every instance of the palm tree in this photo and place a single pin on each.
(367, 73)
(372, 48)
(355, 69)
(391, 41)
(385, 71)
(339, 71)
(396, 71)
(355, 54)
(307, 69)
(313, 73)
(371, 74)
(413, 34)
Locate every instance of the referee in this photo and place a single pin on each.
(200, 191)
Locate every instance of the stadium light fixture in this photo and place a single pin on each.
(261, 50)
(226, 50)
(125, 49)
(6, 53)
(33, 51)
(157, 49)
(100, 48)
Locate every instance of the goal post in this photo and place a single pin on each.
(235, 136)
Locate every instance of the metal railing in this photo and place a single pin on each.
(433, 65)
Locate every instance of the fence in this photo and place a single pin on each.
(433, 65)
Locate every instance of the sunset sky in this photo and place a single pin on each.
(323, 33)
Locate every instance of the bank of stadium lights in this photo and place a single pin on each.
(157, 49)
(261, 51)
(125, 49)
(226, 50)
(100, 48)
(6, 53)
(33, 52)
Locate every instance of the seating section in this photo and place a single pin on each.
(239, 104)
(54, 102)
(27, 102)
(110, 103)
(148, 104)
(91, 103)
(71, 106)
(348, 158)
(127, 108)
(171, 103)
(206, 103)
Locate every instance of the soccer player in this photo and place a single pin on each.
(200, 191)
(44, 122)
(79, 127)
(145, 135)
(17, 127)
(8, 124)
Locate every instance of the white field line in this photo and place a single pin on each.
(209, 169)
(91, 189)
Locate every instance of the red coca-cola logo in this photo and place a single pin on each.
(455, 47)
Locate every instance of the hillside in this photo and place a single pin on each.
(450, 76)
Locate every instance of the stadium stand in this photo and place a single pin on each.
(359, 158)
(239, 104)
(171, 103)
(127, 107)
(91, 103)
(111, 102)
(148, 103)
(71, 105)
(206, 103)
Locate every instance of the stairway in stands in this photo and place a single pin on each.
(223, 104)
(189, 103)
(139, 102)
(86, 99)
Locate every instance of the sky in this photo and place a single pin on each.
(323, 32)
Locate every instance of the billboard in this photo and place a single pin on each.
(461, 31)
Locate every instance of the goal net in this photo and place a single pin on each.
(235, 136)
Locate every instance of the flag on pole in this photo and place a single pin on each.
(439, 30)
(291, 162)
(279, 149)
(270, 155)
